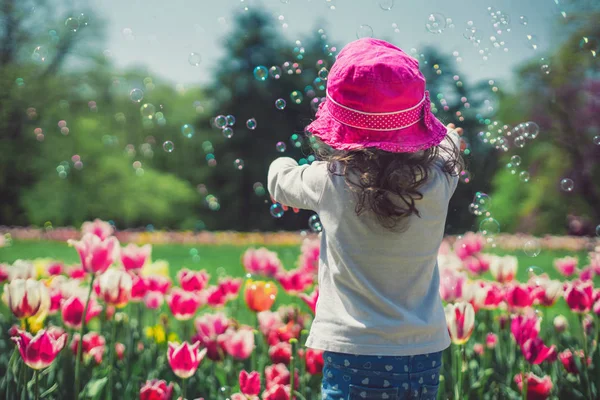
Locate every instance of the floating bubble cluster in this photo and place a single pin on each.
(532, 248)
(436, 23)
(314, 223)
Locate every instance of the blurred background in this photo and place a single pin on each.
(159, 115)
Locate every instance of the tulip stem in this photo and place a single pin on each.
(458, 383)
(585, 358)
(524, 381)
(294, 343)
(80, 344)
(37, 384)
(183, 388)
(111, 364)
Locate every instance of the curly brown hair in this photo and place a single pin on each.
(380, 178)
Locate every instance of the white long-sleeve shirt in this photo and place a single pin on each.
(378, 290)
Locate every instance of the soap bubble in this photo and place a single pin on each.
(147, 110)
(72, 24)
(227, 132)
(596, 140)
(524, 176)
(230, 120)
(136, 95)
(296, 97)
(277, 210)
(280, 104)
(386, 5)
(168, 146)
(323, 74)
(251, 124)
(465, 176)
(314, 223)
(567, 185)
(436, 23)
(83, 19)
(532, 248)
(261, 73)
(532, 41)
(545, 68)
(520, 141)
(515, 160)
(187, 130)
(275, 72)
(523, 20)
(280, 147)
(40, 54)
(220, 121)
(364, 31)
(194, 59)
(482, 201)
(489, 226)
(238, 164)
(296, 140)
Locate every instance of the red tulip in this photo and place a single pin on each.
(580, 296)
(120, 350)
(278, 374)
(295, 281)
(535, 351)
(96, 254)
(537, 388)
(567, 266)
(98, 227)
(503, 269)
(183, 304)
(260, 295)
(261, 262)
(311, 299)
(139, 288)
(568, 360)
(239, 344)
(184, 359)
(115, 287)
(249, 383)
(460, 318)
(55, 301)
(156, 390)
(277, 392)
(314, 361)
(94, 345)
(134, 257)
(154, 300)
(491, 340)
(72, 311)
(519, 296)
(210, 327)
(158, 283)
(3, 273)
(525, 327)
(281, 353)
(230, 287)
(192, 281)
(27, 297)
(39, 352)
(216, 296)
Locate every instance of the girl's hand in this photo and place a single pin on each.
(454, 128)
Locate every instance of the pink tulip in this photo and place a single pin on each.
(278, 374)
(72, 311)
(230, 287)
(277, 392)
(76, 272)
(184, 359)
(537, 388)
(94, 346)
(477, 265)
(20, 269)
(579, 296)
(568, 360)
(309, 255)
(547, 292)
(567, 266)
(209, 328)
(239, 344)
(503, 269)
(134, 257)
(26, 297)
(311, 299)
(519, 296)
(96, 254)
(158, 283)
(295, 281)
(139, 288)
(478, 349)
(249, 383)
(535, 351)
(120, 350)
(596, 307)
(39, 352)
(216, 296)
(183, 304)
(98, 227)
(471, 243)
(3, 273)
(154, 300)
(460, 318)
(281, 353)
(595, 262)
(156, 390)
(55, 268)
(261, 262)
(192, 281)
(314, 361)
(115, 287)
(491, 340)
(451, 285)
(56, 298)
(494, 296)
(525, 327)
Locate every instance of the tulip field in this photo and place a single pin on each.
(101, 317)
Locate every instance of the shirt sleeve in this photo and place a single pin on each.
(298, 186)
(452, 139)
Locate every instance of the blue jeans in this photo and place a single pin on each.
(356, 377)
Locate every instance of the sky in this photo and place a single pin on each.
(164, 33)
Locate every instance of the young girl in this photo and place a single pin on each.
(388, 170)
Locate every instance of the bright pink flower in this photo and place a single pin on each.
(96, 254)
(115, 287)
(156, 390)
(311, 299)
(314, 361)
(281, 353)
(460, 318)
(72, 311)
(261, 262)
(209, 328)
(154, 300)
(97, 227)
(27, 297)
(55, 268)
(120, 350)
(230, 287)
(249, 383)
(503, 269)
(476, 265)
(547, 292)
(309, 255)
(192, 281)
(216, 296)
(537, 388)
(39, 352)
(567, 358)
(134, 257)
(278, 374)
(76, 272)
(3, 273)
(494, 296)
(580, 296)
(567, 266)
(535, 351)
(491, 340)
(478, 349)
(587, 274)
(184, 359)
(183, 304)
(595, 262)
(158, 283)
(519, 296)
(471, 243)
(94, 345)
(295, 281)
(239, 344)
(55, 301)
(277, 392)
(525, 327)
(451, 285)
(596, 307)
(139, 288)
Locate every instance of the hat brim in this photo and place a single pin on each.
(412, 139)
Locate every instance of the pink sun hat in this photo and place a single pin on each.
(376, 97)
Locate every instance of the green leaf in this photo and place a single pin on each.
(50, 390)
(93, 390)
